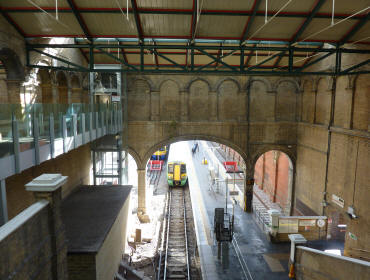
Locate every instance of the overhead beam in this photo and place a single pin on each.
(137, 20)
(200, 47)
(302, 28)
(250, 20)
(346, 71)
(12, 23)
(117, 59)
(193, 20)
(80, 20)
(355, 28)
(165, 11)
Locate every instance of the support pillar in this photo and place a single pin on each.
(248, 193)
(14, 91)
(48, 187)
(3, 203)
(141, 193)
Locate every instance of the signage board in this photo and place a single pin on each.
(288, 225)
(337, 200)
(233, 193)
(116, 98)
(307, 223)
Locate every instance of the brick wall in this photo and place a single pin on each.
(272, 176)
(75, 164)
(26, 253)
(81, 266)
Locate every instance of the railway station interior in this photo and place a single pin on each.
(184, 139)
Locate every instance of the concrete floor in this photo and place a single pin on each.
(250, 255)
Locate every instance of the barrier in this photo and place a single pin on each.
(155, 165)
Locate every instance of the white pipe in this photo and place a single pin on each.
(127, 10)
(56, 10)
(332, 13)
(266, 11)
(330, 26)
(259, 29)
(41, 9)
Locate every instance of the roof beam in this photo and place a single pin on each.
(193, 20)
(137, 20)
(303, 27)
(12, 23)
(80, 20)
(354, 29)
(250, 20)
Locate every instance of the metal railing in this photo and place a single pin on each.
(31, 134)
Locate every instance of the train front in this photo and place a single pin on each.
(176, 174)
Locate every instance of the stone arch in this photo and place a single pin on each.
(136, 157)
(361, 103)
(198, 101)
(228, 100)
(286, 99)
(323, 101)
(190, 137)
(46, 86)
(261, 100)
(62, 82)
(76, 89)
(169, 101)
(146, 79)
(139, 100)
(12, 63)
(193, 80)
(274, 175)
(221, 81)
(291, 152)
(287, 80)
(263, 80)
(165, 79)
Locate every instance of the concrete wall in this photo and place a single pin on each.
(333, 156)
(162, 110)
(81, 266)
(311, 264)
(75, 165)
(110, 254)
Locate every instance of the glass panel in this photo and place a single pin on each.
(25, 127)
(79, 124)
(44, 132)
(6, 133)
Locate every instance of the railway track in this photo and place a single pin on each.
(177, 259)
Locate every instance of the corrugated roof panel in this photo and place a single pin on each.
(231, 60)
(101, 4)
(334, 33)
(344, 6)
(46, 24)
(235, 5)
(221, 26)
(133, 58)
(165, 4)
(202, 59)
(362, 33)
(114, 24)
(165, 25)
(25, 3)
(294, 6)
(104, 59)
(277, 28)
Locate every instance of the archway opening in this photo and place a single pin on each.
(62, 88)
(273, 175)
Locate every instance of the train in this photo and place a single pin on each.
(176, 174)
(161, 154)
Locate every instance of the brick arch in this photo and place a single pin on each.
(169, 100)
(290, 152)
(142, 78)
(221, 81)
(188, 85)
(165, 79)
(191, 137)
(12, 63)
(263, 80)
(230, 103)
(289, 80)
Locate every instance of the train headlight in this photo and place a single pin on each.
(170, 176)
(183, 175)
